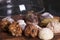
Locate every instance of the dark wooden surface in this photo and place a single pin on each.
(5, 36)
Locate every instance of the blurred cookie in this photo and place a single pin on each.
(31, 30)
(31, 17)
(15, 29)
(5, 22)
(54, 26)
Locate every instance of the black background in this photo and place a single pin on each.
(52, 6)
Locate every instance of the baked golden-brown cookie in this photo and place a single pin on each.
(5, 22)
(4, 25)
(15, 29)
(31, 30)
